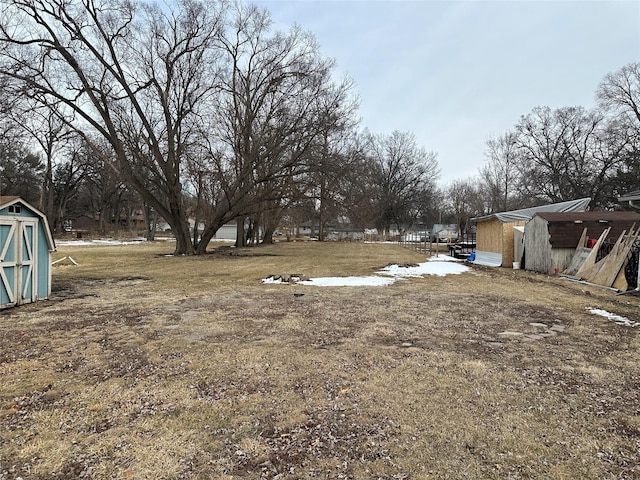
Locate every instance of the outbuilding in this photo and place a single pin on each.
(495, 233)
(25, 253)
(551, 238)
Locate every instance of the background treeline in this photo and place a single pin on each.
(562, 154)
(203, 113)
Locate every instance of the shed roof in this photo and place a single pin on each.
(630, 196)
(633, 198)
(604, 216)
(6, 201)
(565, 228)
(579, 205)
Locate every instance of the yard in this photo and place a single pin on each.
(147, 366)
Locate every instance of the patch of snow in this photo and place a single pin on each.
(271, 280)
(440, 266)
(620, 320)
(101, 241)
(277, 279)
(445, 258)
(432, 267)
(370, 281)
(128, 241)
(79, 243)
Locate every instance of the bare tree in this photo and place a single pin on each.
(619, 94)
(51, 134)
(267, 118)
(103, 188)
(569, 153)
(68, 179)
(134, 74)
(329, 162)
(541, 136)
(403, 172)
(461, 202)
(359, 186)
(501, 174)
(620, 90)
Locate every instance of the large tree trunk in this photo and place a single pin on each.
(321, 212)
(176, 217)
(212, 225)
(241, 239)
(150, 218)
(267, 238)
(184, 246)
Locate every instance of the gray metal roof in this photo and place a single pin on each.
(579, 205)
(630, 196)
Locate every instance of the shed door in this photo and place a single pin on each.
(17, 261)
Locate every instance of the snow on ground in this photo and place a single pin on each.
(624, 321)
(440, 265)
(100, 241)
(121, 241)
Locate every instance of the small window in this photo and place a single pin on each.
(15, 209)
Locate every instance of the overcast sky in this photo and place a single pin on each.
(456, 73)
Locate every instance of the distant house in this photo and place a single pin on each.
(551, 238)
(444, 232)
(229, 231)
(495, 233)
(92, 223)
(25, 253)
(85, 223)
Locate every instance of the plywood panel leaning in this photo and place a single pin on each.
(589, 264)
(616, 259)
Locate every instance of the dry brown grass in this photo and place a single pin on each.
(148, 366)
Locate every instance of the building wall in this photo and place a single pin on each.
(518, 244)
(489, 236)
(537, 249)
(494, 236)
(228, 231)
(539, 255)
(561, 259)
(43, 280)
(507, 243)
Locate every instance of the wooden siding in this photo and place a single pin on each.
(507, 243)
(561, 259)
(494, 236)
(540, 255)
(537, 249)
(489, 236)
